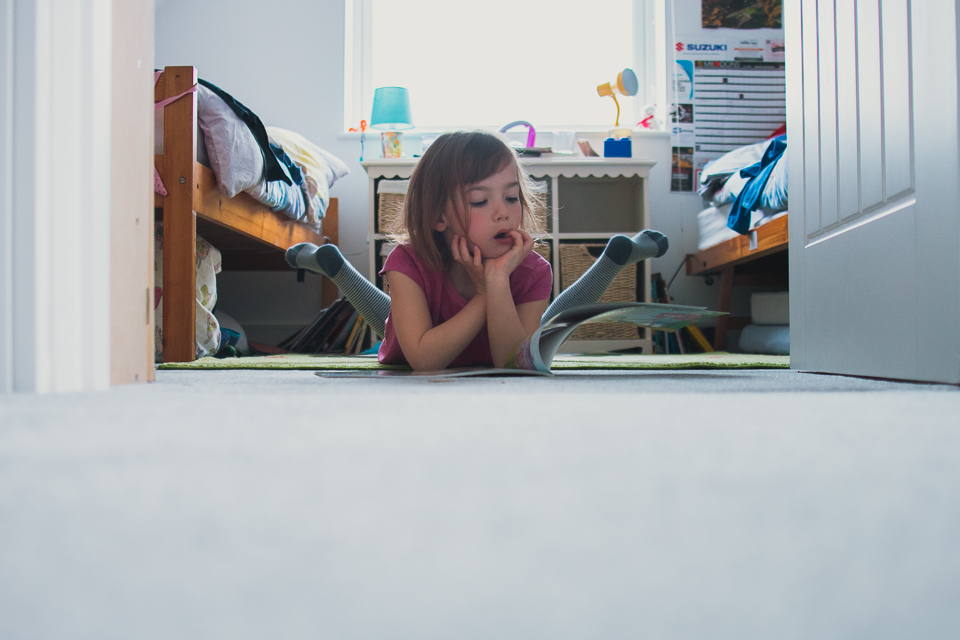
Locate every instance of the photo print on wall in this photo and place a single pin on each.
(742, 14)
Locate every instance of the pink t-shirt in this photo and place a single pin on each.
(531, 281)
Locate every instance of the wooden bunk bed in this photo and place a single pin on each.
(755, 259)
(249, 235)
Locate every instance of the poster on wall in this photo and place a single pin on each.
(682, 172)
(741, 14)
(728, 88)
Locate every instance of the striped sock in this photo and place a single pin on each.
(620, 252)
(646, 244)
(587, 289)
(371, 303)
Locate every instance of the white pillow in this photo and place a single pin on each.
(235, 156)
(317, 161)
(733, 161)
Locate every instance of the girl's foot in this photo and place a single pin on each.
(325, 259)
(646, 244)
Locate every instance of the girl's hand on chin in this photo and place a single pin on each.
(505, 264)
(472, 262)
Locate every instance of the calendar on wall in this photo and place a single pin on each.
(728, 90)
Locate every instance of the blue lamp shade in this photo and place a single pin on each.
(391, 109)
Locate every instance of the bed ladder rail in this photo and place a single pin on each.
(179, 219)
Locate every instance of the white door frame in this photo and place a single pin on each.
(55, 70)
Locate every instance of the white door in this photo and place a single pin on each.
(874, 187)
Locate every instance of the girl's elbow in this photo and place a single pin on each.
(419, 365)
(419, 360)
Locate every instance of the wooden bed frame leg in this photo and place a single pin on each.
(179, 219)
(723, 322)
(331, 232)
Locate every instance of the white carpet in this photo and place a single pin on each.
(743, 504)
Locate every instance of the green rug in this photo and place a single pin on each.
(718, 360)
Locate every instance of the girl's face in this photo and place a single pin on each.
(493, 209)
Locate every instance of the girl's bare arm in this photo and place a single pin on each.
(424, 346)
(508, 324)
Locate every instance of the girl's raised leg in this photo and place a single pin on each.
(371, 303)
(620, 251)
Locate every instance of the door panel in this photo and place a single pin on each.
(857, 274)
(811, 114)
(848, 166)
(826, 38)
(875, 233)
(938, 189)
(897, 113)
(870, 104)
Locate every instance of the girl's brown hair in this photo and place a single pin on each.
(451, 164)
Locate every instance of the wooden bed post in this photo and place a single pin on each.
(723, 322)
(179, 219)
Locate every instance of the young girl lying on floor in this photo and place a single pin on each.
(466, 288)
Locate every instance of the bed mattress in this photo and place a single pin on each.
(712, 223)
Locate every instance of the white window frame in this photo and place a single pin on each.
(649, 42)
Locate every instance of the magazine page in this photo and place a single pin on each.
(538, 351)
(662, 317)
(461, 372)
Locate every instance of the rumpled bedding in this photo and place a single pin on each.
(226, 144)
(206, 326)
(320, 168)
(283, 198)
(743, 189)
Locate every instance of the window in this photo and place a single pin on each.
(484, 64)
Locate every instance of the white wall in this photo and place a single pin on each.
(238, 45)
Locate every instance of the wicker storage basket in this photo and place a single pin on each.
(575, 259)
(390, 213)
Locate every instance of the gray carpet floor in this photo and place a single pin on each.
(680, 504)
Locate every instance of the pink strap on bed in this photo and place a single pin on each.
(157, 182)
(166, 101)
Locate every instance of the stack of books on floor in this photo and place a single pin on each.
(336, 329)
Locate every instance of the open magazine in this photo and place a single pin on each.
(535, 355)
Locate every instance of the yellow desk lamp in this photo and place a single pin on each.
(626, 85)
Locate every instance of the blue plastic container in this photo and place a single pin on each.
(617, 148)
